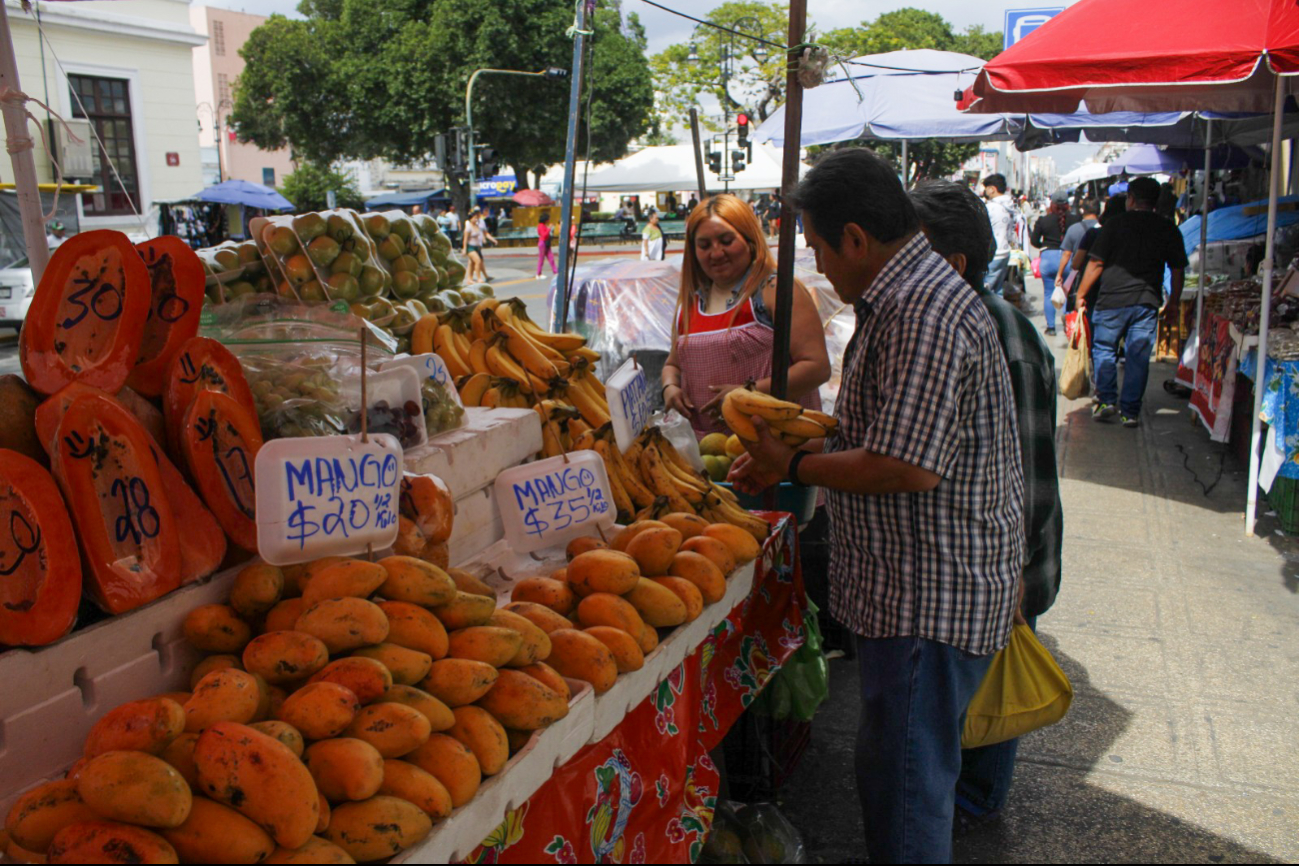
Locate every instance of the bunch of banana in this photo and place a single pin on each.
(720, 507)
(789, 421)
(584, 392)
(552, 414)
(491, 392)
(516, 312)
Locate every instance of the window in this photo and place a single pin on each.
(268, 177)
(223, 89)
(106, 103)
(219, 38)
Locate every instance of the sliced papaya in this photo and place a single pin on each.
(49, 415)
(87, 318)
(220, 440)
(201, 365)
(177, 284)
(129, 537)
(40, 571)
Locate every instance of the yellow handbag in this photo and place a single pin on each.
(1023, 690)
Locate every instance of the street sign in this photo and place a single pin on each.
(1021, 22)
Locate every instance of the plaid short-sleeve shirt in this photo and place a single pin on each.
(925, 382)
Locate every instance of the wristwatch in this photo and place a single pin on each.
(793, 467)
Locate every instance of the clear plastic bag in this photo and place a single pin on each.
(752, 833)
(234, 270)
(724, 844)
(676, 427)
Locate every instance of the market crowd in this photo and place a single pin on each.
(942, 511)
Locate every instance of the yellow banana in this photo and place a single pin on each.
(656, 476)
(586, 379)
(595, 414)
(491, 398)
(765, 406)
(621, 500)
(725, 493)
(504, 366)
(683, 479)
(473, 389)
(478, 357)
(444, 344)
(584, 441)
(673, 456)
(480, 325)
(577, 426)
(589, 355)
(802, 426)
(829, 422)
(629, 473)
(551, 446)
(526, 352)
(736, 516)
(791, 440)
(563, 342)
(421, 336)
(738, 422)
(463, 343)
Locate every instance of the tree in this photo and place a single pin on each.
(308, 185)
(756, 86)
(362, 79)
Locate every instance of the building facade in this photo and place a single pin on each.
(126, 67)
(217, 65)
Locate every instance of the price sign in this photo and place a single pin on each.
(429, 366)
(326, 496)
(629, 403)
(551, 502)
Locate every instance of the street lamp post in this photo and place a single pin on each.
(216, 131)
(553, 73)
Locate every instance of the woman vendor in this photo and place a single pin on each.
(723, 335)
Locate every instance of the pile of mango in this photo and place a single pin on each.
(602, 612)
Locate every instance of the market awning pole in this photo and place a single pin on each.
(20, 153)
(788, 179)
(559, 315)
(906, 172)
(1264, 313)
(1204, 240)
(700, 177)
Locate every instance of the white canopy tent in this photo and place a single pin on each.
(672, 168)
(1088, 171)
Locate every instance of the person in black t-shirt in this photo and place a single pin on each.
(1126, 266)
(1048, 234)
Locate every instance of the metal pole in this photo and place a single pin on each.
(1204, 240)
(699, 155)
(788, 179)
(726, 116)
(15, 118)
(469, 120)
(559, 315)
(216, 128)
(1260, 382)
(906, 172)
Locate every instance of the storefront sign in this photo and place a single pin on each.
(550, 502)
(326, 496)
(1021, 22)
(500, 186)
(629, 402)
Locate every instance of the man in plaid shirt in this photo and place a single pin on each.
(957, 226)
(925, 494)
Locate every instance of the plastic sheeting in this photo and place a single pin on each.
(1233, 223)
(12, 246)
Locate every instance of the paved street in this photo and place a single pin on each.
(1179, 637)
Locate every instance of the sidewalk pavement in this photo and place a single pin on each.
(1179, 635)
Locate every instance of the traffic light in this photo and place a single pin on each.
(715, 162)
(737, 161)
(489, 161)
(742, 124)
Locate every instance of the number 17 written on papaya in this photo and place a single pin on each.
(550, 502)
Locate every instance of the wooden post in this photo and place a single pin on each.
(15, 118)
(700, 177)
(788, 179)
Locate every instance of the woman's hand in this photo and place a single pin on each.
(714, 406)
(675, 398)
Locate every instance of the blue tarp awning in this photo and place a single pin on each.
(245, 193)
(1233, 224)
(407, 199)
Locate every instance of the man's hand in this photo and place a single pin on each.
(770, 456)
(1172, 313)
(747, 478)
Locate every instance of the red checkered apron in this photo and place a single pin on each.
(712, 353)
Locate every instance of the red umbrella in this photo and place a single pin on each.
(533, 198)
(1160, 55)
(1155, 55)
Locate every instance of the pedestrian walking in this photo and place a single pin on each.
(957, 226)
(1125, 282)
(476, 237)
(57, 235)
(1090, 218)
(652, 243)
(544, 236)
(925, 490)
(1048, 235)
(1001, 212)
(453, 224)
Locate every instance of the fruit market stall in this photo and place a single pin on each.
(236, 484)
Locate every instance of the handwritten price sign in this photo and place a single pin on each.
(629, 403)
(326, 496)
(550, 502)
(428, 366)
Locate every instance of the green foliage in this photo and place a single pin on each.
(928, 158)
(909, 28)
(307, 187)
(755, 87)
(362, 79)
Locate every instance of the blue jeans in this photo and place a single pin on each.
(908, 758)
(1050, 266)
(995, 280)
(1137, 325)
(986, 773)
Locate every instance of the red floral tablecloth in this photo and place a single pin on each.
(646, 792)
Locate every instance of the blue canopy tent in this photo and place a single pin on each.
(1149, 159)
(245, 194)
(423, 198)
(1239, 222)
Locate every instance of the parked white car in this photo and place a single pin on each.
(16, 293)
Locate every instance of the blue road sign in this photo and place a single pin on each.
(1021, 22)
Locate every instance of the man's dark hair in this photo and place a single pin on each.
(1115, 205)
(956, 221)
(997, 181)
(855, 185)
(1090, 205)
(1144, 190)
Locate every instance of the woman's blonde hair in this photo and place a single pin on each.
(738, 213)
